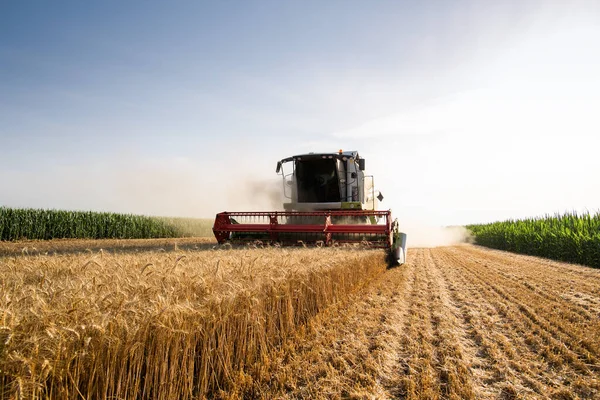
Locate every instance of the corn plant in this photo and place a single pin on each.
(17, 224)
(567, 237)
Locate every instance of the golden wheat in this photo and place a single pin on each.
(161, 325)
(70, 246)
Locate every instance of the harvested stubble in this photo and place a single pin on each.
(162, 325)
(459, 322)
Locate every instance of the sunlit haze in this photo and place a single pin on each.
(465, 111)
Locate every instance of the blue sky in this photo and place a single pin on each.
(466, 111)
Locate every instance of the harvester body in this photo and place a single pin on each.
(330, 201)
(327, 181)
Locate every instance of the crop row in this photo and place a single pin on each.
(567, 237)
(17, 224)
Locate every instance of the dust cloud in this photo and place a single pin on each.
(258, 195)
(188, 189)
(422, 235)
(173, 187)
(169, 187)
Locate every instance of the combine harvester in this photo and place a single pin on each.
(331, 201)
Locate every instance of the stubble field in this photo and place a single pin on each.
(194, 322)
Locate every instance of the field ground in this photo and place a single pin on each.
(455, 322)
(458, 322)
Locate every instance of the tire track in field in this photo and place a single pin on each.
(522, 319)
(550, 294)
(576, 284)
(488, 364)
(564, 357)
(584, 279)
(556, 317)
(456, 378)
(420, 379)
(432, 357)
(496, 361)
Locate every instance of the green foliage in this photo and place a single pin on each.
(569, 237)
(17, 224)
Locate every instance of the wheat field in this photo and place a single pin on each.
(460, 322)
(166, 325)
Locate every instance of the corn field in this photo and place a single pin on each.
(567, 237)
(18, 224)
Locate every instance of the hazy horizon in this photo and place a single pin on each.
(465, 112)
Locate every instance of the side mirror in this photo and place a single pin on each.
(361, 164)
(278, 167)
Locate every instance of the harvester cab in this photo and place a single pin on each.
(331, 202)
(330, 181)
